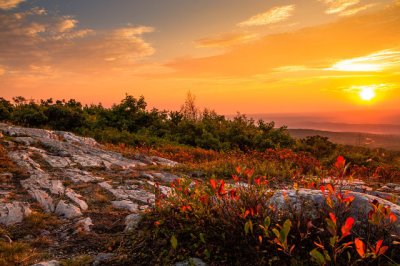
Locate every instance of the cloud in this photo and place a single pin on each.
(66, 24)
(338, 6)
(9, 4)
(34, 40)
(271, 16)
(225, 40)
(350, 12)
(320, 46)
(375, 62)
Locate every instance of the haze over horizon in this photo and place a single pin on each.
(275, 57)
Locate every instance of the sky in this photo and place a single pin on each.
(253, 56)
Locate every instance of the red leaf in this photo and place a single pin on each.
(392, 217)
(378, 246)
(238, 170)
(213, 184)
(333, 217)
(340, 162)
(330, 188)
(346, 228)
(383, 250)
(360, 247)
(221, 190)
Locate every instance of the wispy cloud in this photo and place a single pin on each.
(271, 16)
(338, 6)
(374, 62)
(225, 40)
(9, 4)
(353, 11)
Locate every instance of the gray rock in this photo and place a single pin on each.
(75, 197)
(132, 221)
(125, 205)
(84, 224)
(163, 161)
(27, 141)
(67, 210)
(12, 213)
(48, 263)
(44, 200)
(191, 262)
(102, 258)
(166, 177)
(360, 205)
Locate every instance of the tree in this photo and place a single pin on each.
(189, 108)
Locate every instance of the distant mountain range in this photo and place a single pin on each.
(371, 128)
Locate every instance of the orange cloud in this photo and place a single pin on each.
(352, 11)
(9, 4)
(271, 16)
(319, 46)
(338, 6)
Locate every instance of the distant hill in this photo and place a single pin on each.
(391, 142)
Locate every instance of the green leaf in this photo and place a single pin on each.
(285, 229)
(267, 222)
(319, 258)
(174, 242)
(202, 238)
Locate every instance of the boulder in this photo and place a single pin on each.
(67, 210)
(12, 213)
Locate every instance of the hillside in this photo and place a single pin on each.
(368, 140)
(70, 201)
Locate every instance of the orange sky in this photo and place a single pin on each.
(282, 57)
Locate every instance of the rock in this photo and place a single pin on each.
(166, 177)
(48, 263)
(84, 224)
(27, 141)
(360, 205)
(141, 195)
(146, 175)
(392, 185)
(132, 221)
(126, 205)
(56, 161)
(69, 211)
(75, 197)
(77, 175)
(45, 201)
(12, 213)
(102, 258)
(118, 193)
(191, 262)
(163, 161)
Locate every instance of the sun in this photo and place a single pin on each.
(367, 94)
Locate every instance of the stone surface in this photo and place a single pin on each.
(191, 262)
(360, 206)
(126, 205)
(102, 258)
(48, 263)
(84, 224)
(67, 210)
(132, 221)
(75, 197)
(12, 213)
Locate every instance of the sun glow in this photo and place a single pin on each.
(367, 93)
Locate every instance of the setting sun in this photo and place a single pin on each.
(367, 93)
